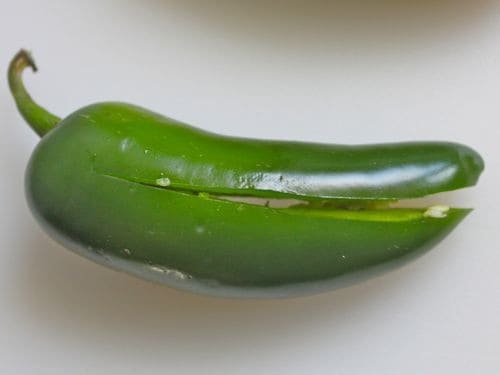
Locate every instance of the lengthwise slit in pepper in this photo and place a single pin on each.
(145, 194)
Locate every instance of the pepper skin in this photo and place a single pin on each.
(145, 194)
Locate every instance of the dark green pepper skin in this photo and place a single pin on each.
(90, 181)
(138, 145)
(141, 193)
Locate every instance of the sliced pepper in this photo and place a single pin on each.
(168, 202)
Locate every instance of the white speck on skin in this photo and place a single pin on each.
(437, 212)
(200, 229)
(157, 269)
(343, 256)
(127, 251)
(164, 181)
(178, 274)
(170, 272)
(125, 144)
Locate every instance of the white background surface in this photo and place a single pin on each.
(337, 71)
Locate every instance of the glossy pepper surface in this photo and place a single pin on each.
(165, 201)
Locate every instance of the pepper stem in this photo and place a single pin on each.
(40, 120)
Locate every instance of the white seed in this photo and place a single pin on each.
(164, 181)
(437, 212)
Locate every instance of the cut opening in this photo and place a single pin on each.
(363, 209)
(434, 210)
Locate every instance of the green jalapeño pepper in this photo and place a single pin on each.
(227, 216)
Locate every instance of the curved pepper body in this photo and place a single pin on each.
(128, 188)
(167, 202)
